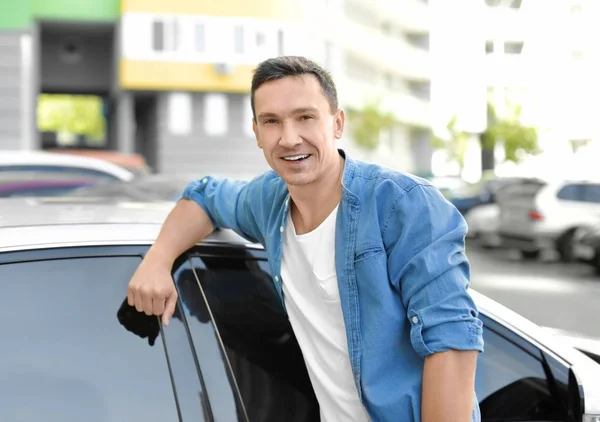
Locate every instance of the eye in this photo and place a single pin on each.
(306, 117)
(269, 121)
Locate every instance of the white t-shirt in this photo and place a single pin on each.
(312, 299)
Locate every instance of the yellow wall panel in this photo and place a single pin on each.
(152, 75)
(269, 9)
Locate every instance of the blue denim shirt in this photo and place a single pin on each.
(402, 272)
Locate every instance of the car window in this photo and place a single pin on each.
(508, 374)
(525, 189)
(65, 357)
(571, 193)
(260, 346)
(591, 193)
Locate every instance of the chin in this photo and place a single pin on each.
(298, 179)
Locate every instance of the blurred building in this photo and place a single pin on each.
(378, 51)
(170, 79)
(541, 56)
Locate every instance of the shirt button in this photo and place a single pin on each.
(415, 320)
(276, 278)
(281, 229)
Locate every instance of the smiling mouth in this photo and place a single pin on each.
(296, 158)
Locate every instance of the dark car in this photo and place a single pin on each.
(229, 354)
(484, 192)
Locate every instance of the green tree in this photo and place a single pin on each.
(455, 142)
(367, 123)
(71, 114)
(517, 139)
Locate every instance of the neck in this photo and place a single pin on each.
(312, 203)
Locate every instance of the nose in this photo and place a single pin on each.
(290, 137)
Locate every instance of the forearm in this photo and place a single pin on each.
(186, 225)
(448, 386)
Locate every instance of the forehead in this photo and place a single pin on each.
(290, 92)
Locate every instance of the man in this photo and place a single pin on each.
(369, 263)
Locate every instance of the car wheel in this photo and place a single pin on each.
(596, 261)
(565, 246)
(530, 255)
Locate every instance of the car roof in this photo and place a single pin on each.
(22, 158)
(60, 221)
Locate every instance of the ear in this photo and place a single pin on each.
(255, 130)
(338, 123)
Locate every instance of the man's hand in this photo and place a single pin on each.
(449, 386)
(151, 289)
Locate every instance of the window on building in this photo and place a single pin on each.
(180, 113)
(261, 39)
(386, 28)
(158, 35)
(280, 41)
(489, 47)
(513, 4)
(513, 47)
(248, 116)
(165, 35)
(420, 89)
(328, 61)
(419, 40)
(216, 114)
(360, 70)
(576, 9)
(200, 38)
(239, 39)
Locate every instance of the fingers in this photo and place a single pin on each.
(169, 308)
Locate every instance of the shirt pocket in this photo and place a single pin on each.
(326, 276)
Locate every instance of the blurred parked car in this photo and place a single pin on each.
(148, 188)
(548, 216)
(449, 186)
(586, 247)
(38, 173)
(229, 353)
(483, 218)
(135, 163)
(151, 188)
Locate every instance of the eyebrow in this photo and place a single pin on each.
(296, 111)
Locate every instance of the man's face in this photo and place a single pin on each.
(296, 128)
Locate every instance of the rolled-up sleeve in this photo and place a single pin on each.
(425, 237)
(227, 203)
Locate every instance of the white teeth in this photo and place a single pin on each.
(295, 157)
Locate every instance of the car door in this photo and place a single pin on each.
(516, 381)
(260, 372)
(65, 357)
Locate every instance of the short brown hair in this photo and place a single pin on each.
(280, 67)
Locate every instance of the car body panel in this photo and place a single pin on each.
(139, 224)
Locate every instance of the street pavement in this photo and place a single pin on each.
(547, 292)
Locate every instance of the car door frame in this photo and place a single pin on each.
(555, 368)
